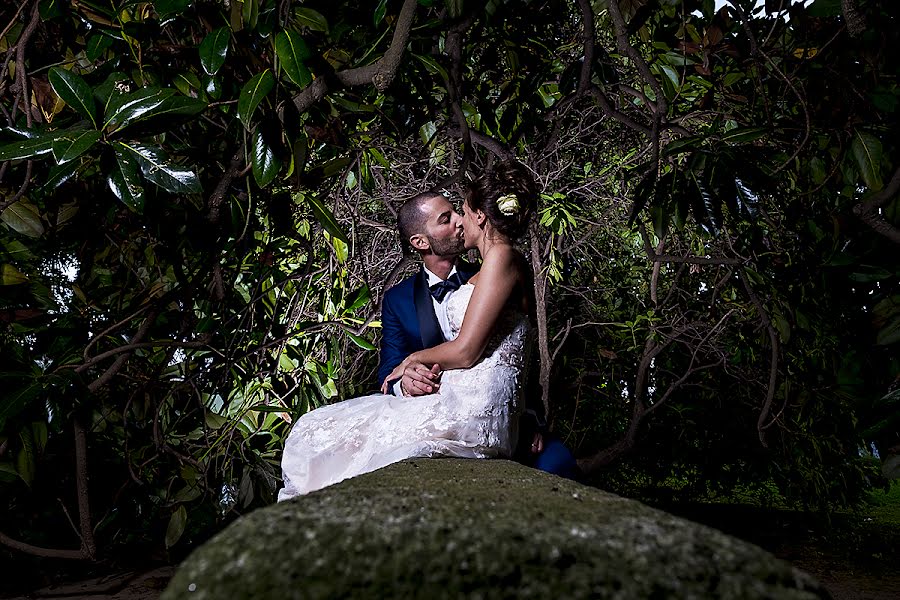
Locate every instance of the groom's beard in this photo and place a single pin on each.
(446, 247)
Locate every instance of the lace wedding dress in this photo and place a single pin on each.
(475, 415)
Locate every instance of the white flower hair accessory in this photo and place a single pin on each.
(508, 204)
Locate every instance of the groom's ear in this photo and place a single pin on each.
(419, 242)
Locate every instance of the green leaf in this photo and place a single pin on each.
(660, 217)
(252, 94)
(312, 19)
(24, 218)
(214, 420)
(9, 275)
(27, 148)
(250, 13)
(75, 91)
(155, 166)
(73, 144)
(358, 299)
(187, 83)
(265, 162)
(378, 17)
(25, 465)
(59, 174)
(293, 52)
(50, 9)
(135, 106)
(379, 157)
(125, 182)
(684, 144)
(432, 65)
(19, 398)
(824, 8)
(177, 106)
(214, 50)
(325, 217)
(361, 341)
(742, 135)
(213, 87)
(176, 526)
(169, 8)
(96, 45)
(39, 433)
(889, 334)
(866, 149)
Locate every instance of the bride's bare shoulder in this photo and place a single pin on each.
(504, 260)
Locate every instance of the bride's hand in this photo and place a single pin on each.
(415, 378)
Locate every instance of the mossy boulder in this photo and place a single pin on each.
(447, 528)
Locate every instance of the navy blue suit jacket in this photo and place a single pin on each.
(408, 322)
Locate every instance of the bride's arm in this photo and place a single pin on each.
(496, 281)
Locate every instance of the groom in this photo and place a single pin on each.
(414, 317)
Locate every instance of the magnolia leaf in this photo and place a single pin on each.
(75, 91)
(214, 50)
(866, 149)
(125, 182)
(741, 135)
(9, 275)
(252, 94)
(176, 526)
(25, 465)
(28, 148)
(250, 13)
(59, 174)
(96, 45)
(326, 218)
(889, 334)
(187, 83)
(378, 16)
(155, 166)
(293, 52)
(177, 106)
(137, 105)
(73, 144)
(168, 8)
(312, 19)
(265, 162)
(24, 218)
(361, 341)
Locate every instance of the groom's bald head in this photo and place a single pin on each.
(413, 215)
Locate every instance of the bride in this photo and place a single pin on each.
(476, 412)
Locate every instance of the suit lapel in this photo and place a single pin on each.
(429, 328)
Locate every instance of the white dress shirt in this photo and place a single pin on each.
(440, 311)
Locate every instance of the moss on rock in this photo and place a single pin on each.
(447, 528)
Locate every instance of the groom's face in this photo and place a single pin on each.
(443, 227)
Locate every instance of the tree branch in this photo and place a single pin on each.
(773, 365)
(380, 73)
(88, 546)
(868, 212)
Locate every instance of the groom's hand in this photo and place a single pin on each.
(419, 380)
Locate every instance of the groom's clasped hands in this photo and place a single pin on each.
(416, 378)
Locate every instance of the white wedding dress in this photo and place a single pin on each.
(475, 415)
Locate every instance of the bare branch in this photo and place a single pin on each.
(868, 212)
(773, 364)
(379, 73)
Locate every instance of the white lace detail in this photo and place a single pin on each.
(474, 415)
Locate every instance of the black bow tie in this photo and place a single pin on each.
(442, 288)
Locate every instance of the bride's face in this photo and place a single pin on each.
(472, 222)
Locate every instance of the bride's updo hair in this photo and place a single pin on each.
(507, 195)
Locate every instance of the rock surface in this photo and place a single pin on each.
(447, 528)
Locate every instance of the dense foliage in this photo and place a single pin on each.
(197, 222)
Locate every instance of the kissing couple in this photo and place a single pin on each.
(455, 350)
